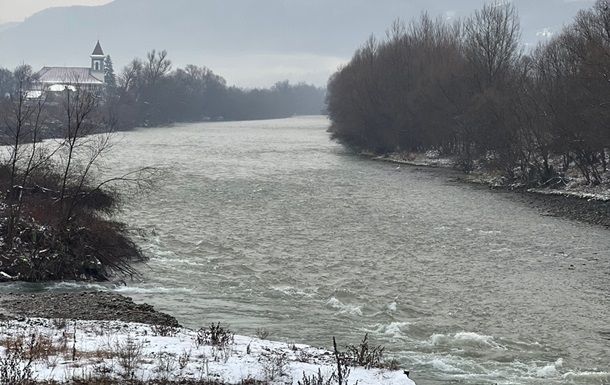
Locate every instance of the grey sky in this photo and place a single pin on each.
(18, 10)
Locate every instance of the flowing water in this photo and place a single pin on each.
(271, 225)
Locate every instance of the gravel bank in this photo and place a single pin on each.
(581, 209)
(554, 203)
(99, 305)
(591, 211)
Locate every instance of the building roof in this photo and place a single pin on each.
(67, 75)
(98, 50)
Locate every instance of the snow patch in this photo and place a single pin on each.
(246, 357)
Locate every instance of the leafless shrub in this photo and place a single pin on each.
(362, 355)
(164, 330)
(59, 323)
(165, 365)
(262, 333)
(316, 379)
(34, 346)
(274, 365)
(342, 372)
(392, 364)
(184, 359)
(129, 356)
(215, 335)
(16, 367)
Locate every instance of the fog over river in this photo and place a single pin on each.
(269, 224)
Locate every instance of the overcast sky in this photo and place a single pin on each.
(17, 10)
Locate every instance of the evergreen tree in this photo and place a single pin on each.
(109, 72)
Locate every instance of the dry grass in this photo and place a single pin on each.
(115, 359)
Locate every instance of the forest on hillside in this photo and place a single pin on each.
(468, 89)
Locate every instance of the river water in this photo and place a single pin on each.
(269, 224)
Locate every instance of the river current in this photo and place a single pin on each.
(269, 224)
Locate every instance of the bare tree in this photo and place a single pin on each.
(157, 66)
(24, 118)
(491, 42)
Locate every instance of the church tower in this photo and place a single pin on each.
(97, 62)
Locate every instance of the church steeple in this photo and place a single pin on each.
(97, 62)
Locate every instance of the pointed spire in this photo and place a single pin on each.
(98, 50)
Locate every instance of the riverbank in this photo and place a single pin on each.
(96, 305)
(105, 338)
(577, 201)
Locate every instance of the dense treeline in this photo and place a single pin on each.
(466, 89)
(149, 92)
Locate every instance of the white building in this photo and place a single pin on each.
(61, 78)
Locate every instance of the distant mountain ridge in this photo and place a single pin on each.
(239, 36)
(5, 26)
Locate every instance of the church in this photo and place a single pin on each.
(61, 78)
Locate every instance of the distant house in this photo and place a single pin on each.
(62, 78)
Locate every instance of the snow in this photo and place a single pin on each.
(576, 188)
(79, 349)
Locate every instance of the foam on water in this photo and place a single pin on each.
(343, 308)
(513, 372)
(78, 286)
(393, 329)
(294, 292)
(549, 370)
(126, 290)
(445, 367)
(56, 286)
(587, 377)
(182, 261)
(464, 340)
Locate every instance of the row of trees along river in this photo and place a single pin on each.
(466, 88)
(149, 92)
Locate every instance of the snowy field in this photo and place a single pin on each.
(62, 350)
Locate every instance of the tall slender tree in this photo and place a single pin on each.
(109, 72)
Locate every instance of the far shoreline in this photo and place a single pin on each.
(575, 205)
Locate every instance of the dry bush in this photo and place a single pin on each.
(262, 333)
(214, 335)
(35, 346)
(274, 365)
(129, 355)
(363, 355)
(316, 379)
(164, 330)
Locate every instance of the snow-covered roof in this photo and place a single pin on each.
(61, 87)
(33, 94)
(67, 75)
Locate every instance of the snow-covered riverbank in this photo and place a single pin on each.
(576, 200)
(62, 350)
(576, 187)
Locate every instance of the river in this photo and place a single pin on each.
(269, 224)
